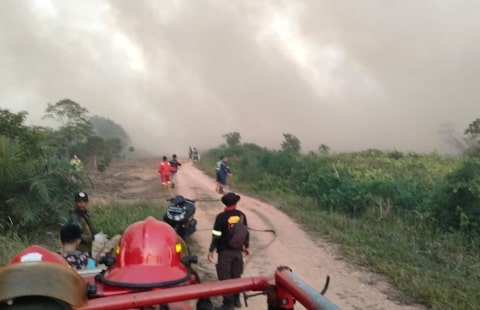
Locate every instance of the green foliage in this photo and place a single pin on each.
(95, 140)
(473, 150)
(36, 179)
(354, 183)
(456, 201)
(291, 143)
(10, 245)
(71, 115)
(12, 127)
(472, 134)
(35, 191)
(36, 185)
(100, 151)
(12, 172)
(473, 130)
(323, 149)
(109, 130)
(113, 219)
(75, 126)
(11, 124)
(440, 271)
(233, 139)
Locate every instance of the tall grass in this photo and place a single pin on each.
(9, 246)
(113, 219)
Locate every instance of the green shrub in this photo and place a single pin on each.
(36, 189)
(456, 200)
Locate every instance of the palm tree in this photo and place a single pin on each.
(37, 189)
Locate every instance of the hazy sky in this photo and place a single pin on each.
(349, 74)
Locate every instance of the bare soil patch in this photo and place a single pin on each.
(311, 259)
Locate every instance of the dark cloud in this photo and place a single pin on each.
(373, 74)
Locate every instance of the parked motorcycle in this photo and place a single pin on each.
(180, 215)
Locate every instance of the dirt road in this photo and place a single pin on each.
(312, 260)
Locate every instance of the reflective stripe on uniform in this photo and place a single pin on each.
(216, 233)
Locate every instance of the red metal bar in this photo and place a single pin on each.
(180, 293)
(287, 281)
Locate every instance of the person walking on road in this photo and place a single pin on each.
(195, 154)
(175, 164)
(217, 173)
(79, 216)
(223, 173)
(230, 246)
(165, 171)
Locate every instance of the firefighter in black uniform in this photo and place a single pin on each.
(230, 260)
(79, 216)
(175, 166)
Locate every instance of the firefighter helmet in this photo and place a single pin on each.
(149, 255)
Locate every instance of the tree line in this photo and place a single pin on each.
(440, 192)
(36, 177)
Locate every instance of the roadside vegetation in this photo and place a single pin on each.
(414, 218)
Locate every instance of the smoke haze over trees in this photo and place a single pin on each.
(350, 76)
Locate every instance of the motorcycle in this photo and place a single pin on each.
(180, 215)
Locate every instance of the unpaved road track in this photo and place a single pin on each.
(312, 260)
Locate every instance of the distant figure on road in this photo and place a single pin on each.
(190, 152)
(223, 174)
(217, 173)
(165, 171)
(175, 166)
(195, 154)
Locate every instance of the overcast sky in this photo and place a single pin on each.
(349, 74)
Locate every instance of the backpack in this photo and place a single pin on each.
(174, 165)
(237, 234)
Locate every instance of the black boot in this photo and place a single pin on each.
(227, 303)
(236, 300)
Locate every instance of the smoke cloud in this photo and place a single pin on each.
(352, 75)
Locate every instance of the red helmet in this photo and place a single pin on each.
(30, 272)
(36, 253)
(149, 255)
